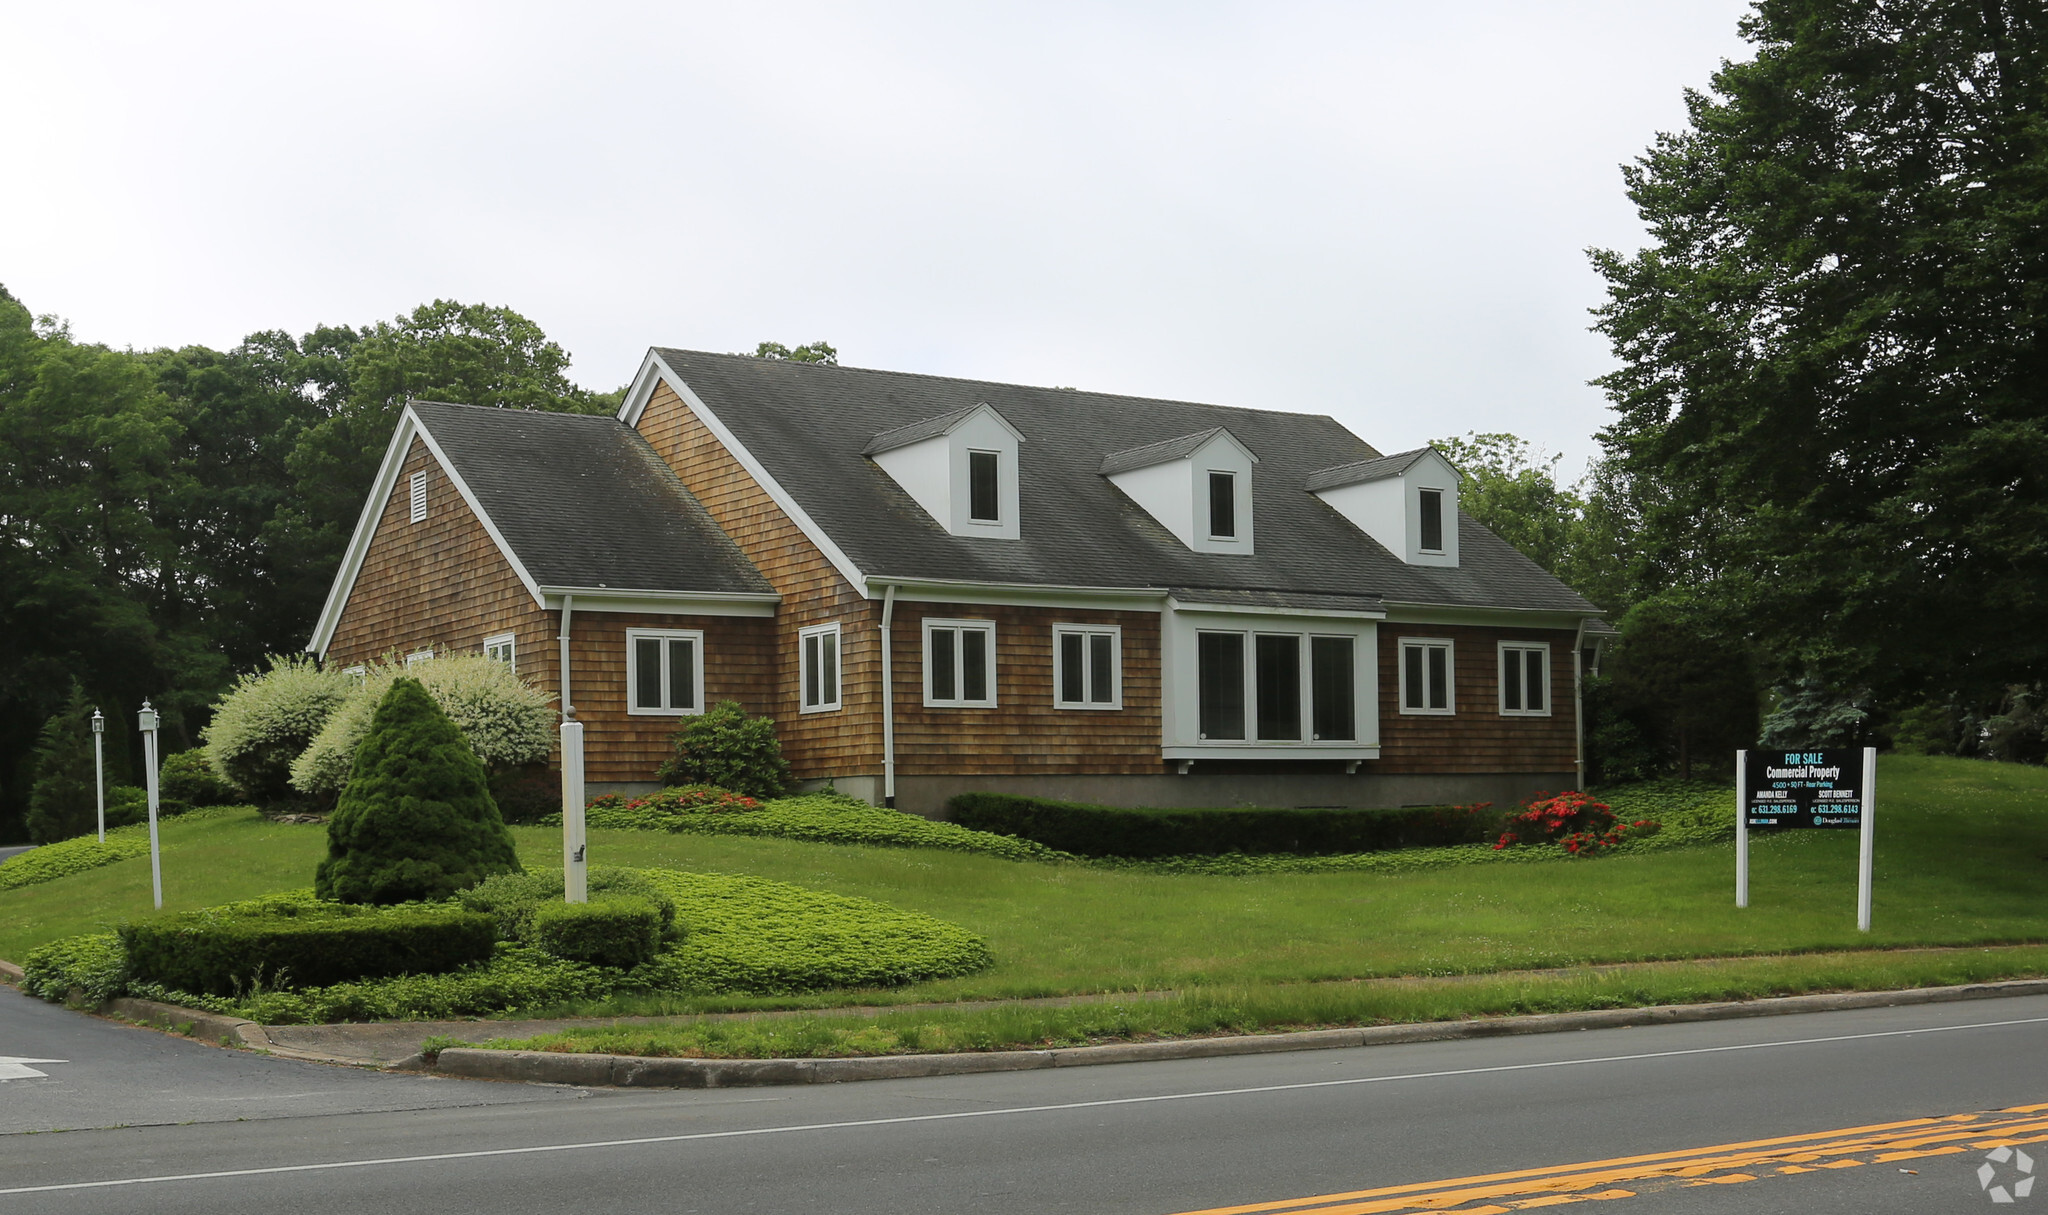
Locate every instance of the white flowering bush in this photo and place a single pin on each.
(507, 721)
(267, 719)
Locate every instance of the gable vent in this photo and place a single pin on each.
(419, 496)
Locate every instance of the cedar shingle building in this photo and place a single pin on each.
(1075, 594)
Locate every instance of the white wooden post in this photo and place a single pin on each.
(99, 767)
(1741, 829)
(1866, 850)
(147, 720)
(575, 866)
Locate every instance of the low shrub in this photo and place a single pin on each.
(302, 943)
(52, 861)
(188, 778)
(621, 931)
(94, 965)
(511, 899)
(1576, 821)
(727, 748)
(1111, 831)
(826, 818)
(267, 719)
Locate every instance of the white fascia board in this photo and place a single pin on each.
(635, 404)
(477, 508)
(979, 409)
(1230, 609)
(670, 603)
(1239, 750)
(1524, 618)
(366, 530)
(1107, 599)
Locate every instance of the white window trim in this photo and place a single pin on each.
(417, 488)
(696, 674)
(509, 643)
(985, 626)
(1209, 500)
(358, 672)
(1402, 646)
(803, 638)
(419, 656)
(1443, 525)
(1116, 666)
(1305, 681)
(998, 521)
(1500, 654)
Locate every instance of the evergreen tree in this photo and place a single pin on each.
(63, 802)
(416, 820)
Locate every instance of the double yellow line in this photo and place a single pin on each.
(1723, 1164)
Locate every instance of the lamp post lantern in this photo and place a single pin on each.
(99, 767)
(147, 720)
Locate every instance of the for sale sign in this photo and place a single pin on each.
(1786, 789)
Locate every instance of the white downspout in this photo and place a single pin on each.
(1579, 704)
(888, 703)
(568, 609)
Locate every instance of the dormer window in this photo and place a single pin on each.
(984, 482)
(961, 467)
(1431, 502)
(1222, 505)
(1407, 502)
(1198, 487)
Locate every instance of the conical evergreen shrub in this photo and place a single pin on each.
(416, 819)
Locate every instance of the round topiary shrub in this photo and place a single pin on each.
(416, 820)
(507, 721)
(266, 720)
(727, 748)
(188, 778)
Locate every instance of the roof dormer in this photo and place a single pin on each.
(1407, 502)
(1199, 487)
(961, 467)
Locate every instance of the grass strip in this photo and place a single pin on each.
(1211, 1011)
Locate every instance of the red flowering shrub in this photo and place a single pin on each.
(692, 799)
(1583, 826)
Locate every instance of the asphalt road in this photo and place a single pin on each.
(1299, 1131)
(13, 850)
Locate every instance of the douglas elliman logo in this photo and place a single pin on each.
(2003, 1165)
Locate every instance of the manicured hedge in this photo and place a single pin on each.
(66, 857)
(823, 818)
(1086, 830)
(301, 943)
(621, 932)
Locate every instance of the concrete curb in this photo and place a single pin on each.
(10, 973)
(631, 1071)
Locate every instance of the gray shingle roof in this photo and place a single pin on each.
(808, 425)
(585, 502)
(1360, 471)
(904, 436)
(1159, 453)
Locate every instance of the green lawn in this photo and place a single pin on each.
(1962, 859)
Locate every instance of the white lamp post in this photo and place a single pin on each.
(147, 720)
(99, 767)
(575, 865)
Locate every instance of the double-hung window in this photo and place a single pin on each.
(665, 671)
(1268, 686)
(499, 649)
(960, 663)
(820, 667)
(1426, 676)
(1087, 666)
(1525, 678)
(419, 656)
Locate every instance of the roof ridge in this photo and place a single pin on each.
(955, 379)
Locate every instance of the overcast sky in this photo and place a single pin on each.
(1373, 210)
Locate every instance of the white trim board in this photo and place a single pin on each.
(661, 603)
(654, 370)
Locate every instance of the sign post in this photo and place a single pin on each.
(147, 720)
(1790, 790)
(575, 867)
(99, 767)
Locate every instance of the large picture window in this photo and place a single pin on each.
(1266, 686)
(1426, 676)
(665, 671)
(960, 664)
(1087, 666)
(1525, 679)
(820, 667)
